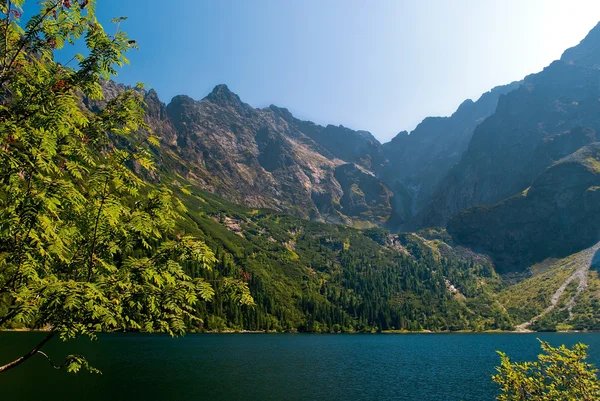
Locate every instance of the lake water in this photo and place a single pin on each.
(273, 366)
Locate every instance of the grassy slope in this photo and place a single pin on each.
(321, 277)
(530, 297)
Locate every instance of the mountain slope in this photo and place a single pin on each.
(267, 158)
(320, 277)
(557, 216)
(419, 161)
(358, 147)
(553, 114)
(560, 294)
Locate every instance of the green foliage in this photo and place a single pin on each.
(559, 374)
(586, 312)
(535, 298)
(531, 296)
(343, 279)
(85, 244)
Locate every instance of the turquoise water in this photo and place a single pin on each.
(274, 366)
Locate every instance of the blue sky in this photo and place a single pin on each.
(378, 65)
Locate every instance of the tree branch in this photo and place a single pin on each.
(65, 363)
(95, 237)
(8, 10)
(28, 355)
(25, 40)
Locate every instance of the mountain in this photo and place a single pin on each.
(419, 161)
(303, 275)
(319, 277)
(484, 153)
(267, 158)
(524, 157)
(551, 115)
(555, 217)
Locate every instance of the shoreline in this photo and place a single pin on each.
(388, 332)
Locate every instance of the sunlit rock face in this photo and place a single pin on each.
(267, 158)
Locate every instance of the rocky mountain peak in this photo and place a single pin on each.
(221, 95)
(400, 136)
(282, 111)
(151, 94)
(587, 52)
(181, 100)
(467, 104)
(154, 106)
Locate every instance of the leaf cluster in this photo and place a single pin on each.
(558, 374)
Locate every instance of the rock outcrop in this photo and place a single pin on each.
(267, 158)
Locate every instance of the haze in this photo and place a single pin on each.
(381, 66)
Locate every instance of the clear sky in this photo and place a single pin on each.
(377, 65)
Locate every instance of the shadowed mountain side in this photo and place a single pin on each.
(420, 161)
(553, 114)
(557, 216)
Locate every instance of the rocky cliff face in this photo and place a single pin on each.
(339, 142)
(267, 158)
(420, 161)
(553, 114)
(557, 216)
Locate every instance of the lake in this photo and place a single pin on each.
(273, 366)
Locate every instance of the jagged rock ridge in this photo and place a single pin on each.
(266, 158)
